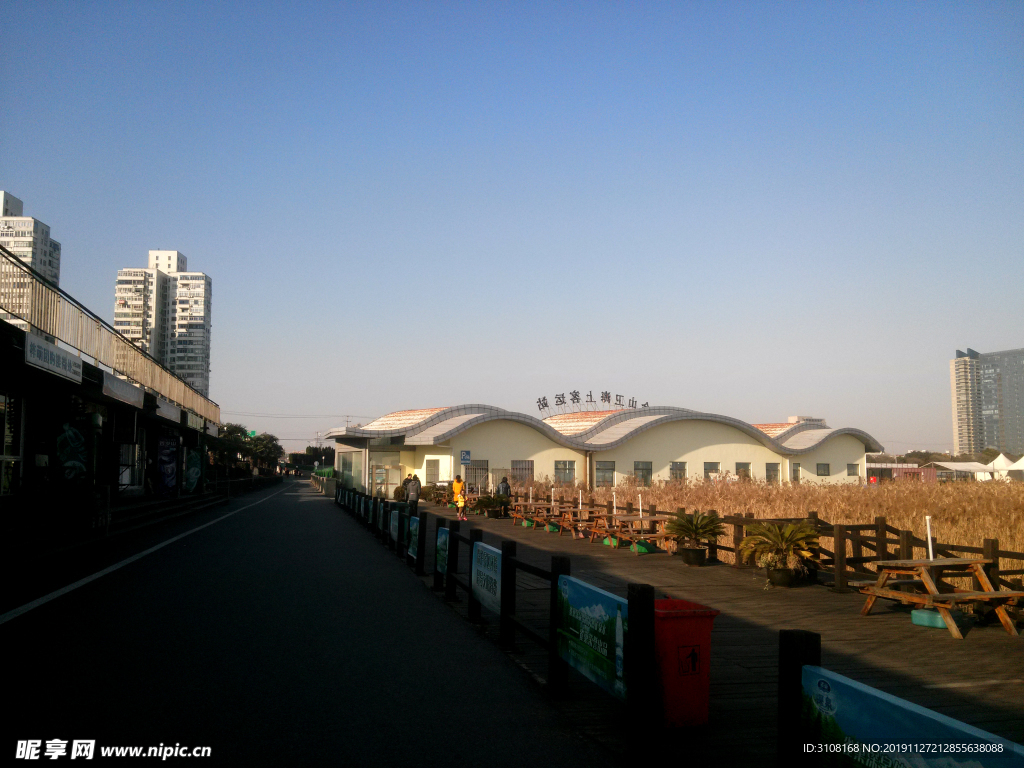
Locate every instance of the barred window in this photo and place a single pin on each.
(433, 470)
(565, 472)
(823, 470)
(677, 470)
(772, 473)
(743, 469)
(711, 468)
(522, 472)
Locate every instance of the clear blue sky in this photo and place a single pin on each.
(759, 210)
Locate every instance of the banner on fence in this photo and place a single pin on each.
(394, 524)
(853, 724)
(592, 627)
(414, 538)
(486, 576)
(441, 553)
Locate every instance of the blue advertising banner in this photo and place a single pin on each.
(394, 525)
(592, 626)
(851, 724)
(486, 576)
(414, 538)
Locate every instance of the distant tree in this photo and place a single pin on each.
(325, 454)
(266, 449)
(233, 442)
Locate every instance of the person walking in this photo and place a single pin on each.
(504, 489)
(412, 494)
(458, 493)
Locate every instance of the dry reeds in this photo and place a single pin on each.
(963, 513)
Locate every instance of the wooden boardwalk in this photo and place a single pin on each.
(978, 680)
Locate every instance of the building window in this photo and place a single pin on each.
(433, 470)
(823, 470)
(772, 473)
(794, 472)
(522, 472)
(743, 469)
(677, 471)
(643, 471)
(604, 474)
(565, 472)
(853, 470)
(711, 468)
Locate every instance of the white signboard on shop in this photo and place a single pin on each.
(49, 357)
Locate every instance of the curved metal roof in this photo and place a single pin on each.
(434, 426)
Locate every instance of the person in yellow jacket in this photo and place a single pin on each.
(458, 492)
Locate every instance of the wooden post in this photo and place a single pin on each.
(856, 548)
(839, 569)
(453, 562)
(906, 545)
(641, 668)
(473, 606)
(737, 539)
(712, 545)
(507, 628)
(881, 539)
(797, 648)
(990, 551)
(558, 670)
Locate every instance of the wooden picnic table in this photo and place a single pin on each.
(631, 527)
(928, 574)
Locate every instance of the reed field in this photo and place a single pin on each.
(962, 513)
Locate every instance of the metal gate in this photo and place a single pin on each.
(477, 476)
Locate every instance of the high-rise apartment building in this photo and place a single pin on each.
(988, 400)
(29, 240)
(166, 310)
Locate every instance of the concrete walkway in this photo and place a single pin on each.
(280, 635)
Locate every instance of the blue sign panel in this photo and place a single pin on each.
(865, 726)
(592, 628)
(465, 458)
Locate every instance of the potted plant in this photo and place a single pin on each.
(691, 530)
(488, 505)
(782, 550)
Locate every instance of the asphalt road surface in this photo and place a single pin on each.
(279, 634)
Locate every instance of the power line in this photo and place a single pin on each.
(296, 416)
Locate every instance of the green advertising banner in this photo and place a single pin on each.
(847, 724)
(441, 552)
(486, 576)
(414, 538)
(592, 633)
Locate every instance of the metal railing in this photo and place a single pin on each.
(25, 295)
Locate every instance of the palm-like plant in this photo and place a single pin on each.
(780, 546)
(695, 528)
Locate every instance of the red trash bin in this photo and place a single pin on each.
(682, 643)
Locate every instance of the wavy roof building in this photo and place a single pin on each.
(594, 448)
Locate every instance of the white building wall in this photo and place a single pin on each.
(499, 442)
(694, 442)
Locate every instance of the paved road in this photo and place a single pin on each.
(282, 634)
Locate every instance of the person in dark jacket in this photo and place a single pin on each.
(412, 494)
(504, 489)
